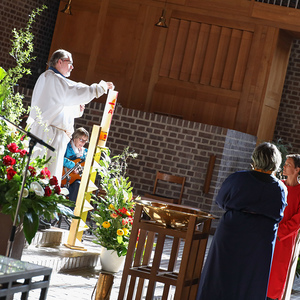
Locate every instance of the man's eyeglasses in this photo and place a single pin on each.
(68, 61)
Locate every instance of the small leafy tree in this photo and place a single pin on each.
(11, 106)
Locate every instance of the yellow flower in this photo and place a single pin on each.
(106, 224)
(120, 232)
(126, 231)
(111, 206)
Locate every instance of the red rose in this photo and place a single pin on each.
(32, 171)
(47, 191)
(53, 181)
(12, 147)
(23, 152)
(57, 189)
(45, 173)
(8, 160)
(123, 210)
(118, 213)
(10, 173)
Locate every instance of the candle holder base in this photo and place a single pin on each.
(104, 285)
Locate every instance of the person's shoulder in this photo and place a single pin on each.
(52, 73)
(69, 145)
(43, 75)
(280, 184)
(237, 176)
(49, 74)
(242, 173)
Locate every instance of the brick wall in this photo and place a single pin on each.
(288, 121)
(174, 146)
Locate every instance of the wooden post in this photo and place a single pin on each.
(104, 286)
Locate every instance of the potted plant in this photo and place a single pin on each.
(41, 195)
(114, 208)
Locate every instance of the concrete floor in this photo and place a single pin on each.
(80, 283)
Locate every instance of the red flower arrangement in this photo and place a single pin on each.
(42, 196)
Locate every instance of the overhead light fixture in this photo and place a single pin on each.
(162, 20)
(67, 9)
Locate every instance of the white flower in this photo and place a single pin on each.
(64, 191)
(37, 188)
(25, 193)
(2, 150)
(44, 181)
(25, 143)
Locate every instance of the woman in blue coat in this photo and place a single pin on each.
(240, 256)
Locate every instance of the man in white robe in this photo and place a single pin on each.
(56, 102)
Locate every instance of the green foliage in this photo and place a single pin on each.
(114, 209)
(41, 195)
(284, 150)
(11, 105)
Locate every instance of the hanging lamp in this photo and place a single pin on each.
(162, 20)
(67, 9)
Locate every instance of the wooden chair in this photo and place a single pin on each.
(170, 181)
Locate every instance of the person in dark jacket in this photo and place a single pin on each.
(240, 256)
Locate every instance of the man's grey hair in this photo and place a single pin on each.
(57, 55)
(266, 157)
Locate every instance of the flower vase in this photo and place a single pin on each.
(19, 239)
(110, 261)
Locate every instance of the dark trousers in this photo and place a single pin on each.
(73, 190)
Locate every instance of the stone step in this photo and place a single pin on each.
(48, 249)
(50, 237)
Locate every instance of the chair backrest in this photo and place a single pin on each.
(170, 179)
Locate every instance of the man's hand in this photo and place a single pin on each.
(110, 85)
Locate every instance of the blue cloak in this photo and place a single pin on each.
(238, 263)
